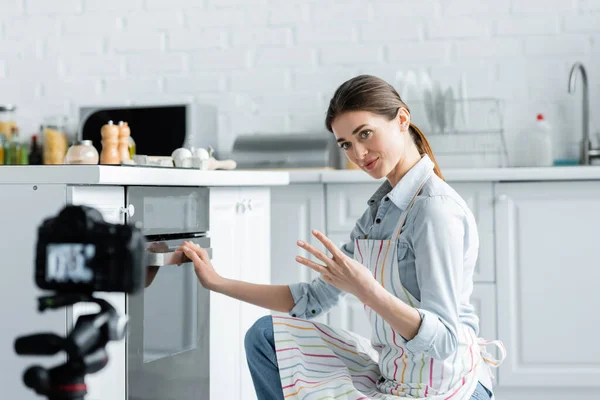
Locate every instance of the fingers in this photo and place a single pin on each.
(315, 252)
(202, 253)
(329, 245)
(312, 265)
(192, 255)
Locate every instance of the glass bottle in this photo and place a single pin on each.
(132, 149)
(13, 152)
(2, 144)
(35, 152)
(23, 153)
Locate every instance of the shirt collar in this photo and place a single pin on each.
(405, 190)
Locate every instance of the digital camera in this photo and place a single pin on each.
(78, 252)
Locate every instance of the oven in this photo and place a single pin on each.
(168, 339)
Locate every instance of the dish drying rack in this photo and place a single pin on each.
(464, 133)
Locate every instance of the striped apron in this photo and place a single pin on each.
(318, 362)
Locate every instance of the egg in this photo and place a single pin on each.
(180, 154)
(201, 153)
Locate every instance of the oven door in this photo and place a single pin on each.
(168, 338)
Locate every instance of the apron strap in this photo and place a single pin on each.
(402, 219)
(487, 357)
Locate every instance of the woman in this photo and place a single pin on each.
(410, 261)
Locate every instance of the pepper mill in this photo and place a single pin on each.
(124, 133)
(110, 142)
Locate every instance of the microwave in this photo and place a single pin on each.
(157, 129)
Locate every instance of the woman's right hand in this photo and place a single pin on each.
(202, 266)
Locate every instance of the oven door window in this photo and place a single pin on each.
(170, 314)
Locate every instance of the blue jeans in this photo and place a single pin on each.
(262, 362)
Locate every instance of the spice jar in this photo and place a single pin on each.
(8, 126)
(83, 152)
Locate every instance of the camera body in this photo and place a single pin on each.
(78, 252)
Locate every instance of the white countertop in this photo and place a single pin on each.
(462, 175)
(138, 176)
(147, 176)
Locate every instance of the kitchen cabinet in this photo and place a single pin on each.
(109, 383)
(30, 205)
(24, 207)
(240, 233)
(479, 197)
(346, 203)
(295, 211)
(547, 278)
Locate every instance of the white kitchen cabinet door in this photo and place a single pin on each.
(109, 383)
(24, 207)
(225, 356)
(240, 238)
(483, 299)
(547, 277)
(254, 236)
(295, 211)
(346, 203)
(479, 197)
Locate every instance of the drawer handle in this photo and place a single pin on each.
(129, 210)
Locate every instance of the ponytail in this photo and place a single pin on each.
(424, 147)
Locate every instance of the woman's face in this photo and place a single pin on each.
(371, 141)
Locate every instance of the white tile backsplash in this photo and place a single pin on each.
(271, 65)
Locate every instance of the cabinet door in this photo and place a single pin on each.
(483, 299)
(349, 313)
(547, 277)
(24, 207)
(480, 199)
(225, 357)
(109, 383)
(295, 211)
(254, 236)
(346, 203)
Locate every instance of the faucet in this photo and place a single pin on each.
(587, 152)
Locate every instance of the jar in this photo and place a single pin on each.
(7, 121)
(83, 152)
(55, 139)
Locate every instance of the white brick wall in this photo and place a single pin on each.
(272, 65)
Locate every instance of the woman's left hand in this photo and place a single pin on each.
(339, 270)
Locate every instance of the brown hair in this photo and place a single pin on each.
(372, 94)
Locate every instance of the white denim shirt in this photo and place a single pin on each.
(437, 253)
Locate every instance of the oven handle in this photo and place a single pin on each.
(168, 249)
(162, 259)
